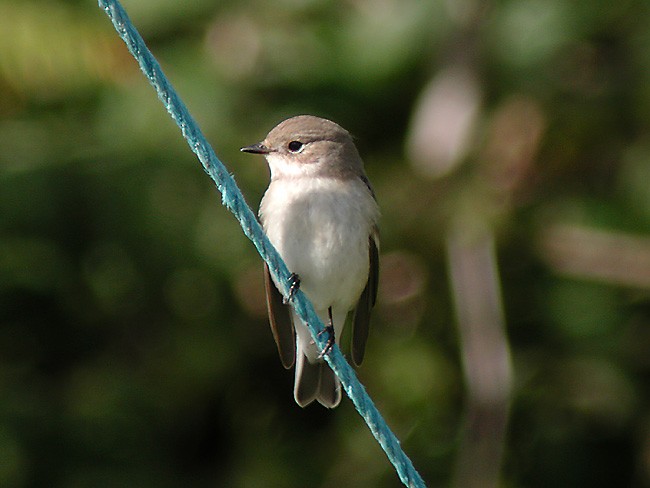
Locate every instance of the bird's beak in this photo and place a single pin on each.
(257, 148)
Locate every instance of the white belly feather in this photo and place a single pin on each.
(320, 226)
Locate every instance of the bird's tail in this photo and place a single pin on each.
(315, 381)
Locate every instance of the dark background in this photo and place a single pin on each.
(507, 142)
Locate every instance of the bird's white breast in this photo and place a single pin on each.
(320, 226)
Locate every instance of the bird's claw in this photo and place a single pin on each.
(294, 279)
(330, 340)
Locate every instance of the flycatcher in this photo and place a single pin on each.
(320, 213)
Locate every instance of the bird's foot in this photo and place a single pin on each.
(294, 279)
(331, 339)
(329, 329)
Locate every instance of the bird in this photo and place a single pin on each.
(320, 213)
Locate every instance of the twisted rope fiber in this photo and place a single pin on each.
(233, 199)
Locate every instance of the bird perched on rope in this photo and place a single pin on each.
(320, 213)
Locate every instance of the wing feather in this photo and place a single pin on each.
(361, 317)
(281, 322)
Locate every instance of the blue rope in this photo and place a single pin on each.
(233, 199)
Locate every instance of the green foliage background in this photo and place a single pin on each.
(134, 347)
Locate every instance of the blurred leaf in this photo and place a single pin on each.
(50, 51)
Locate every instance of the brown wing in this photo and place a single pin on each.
(361, 318)
(280, 319)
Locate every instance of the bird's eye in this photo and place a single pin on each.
(295, 146)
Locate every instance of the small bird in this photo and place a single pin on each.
(320, 213)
